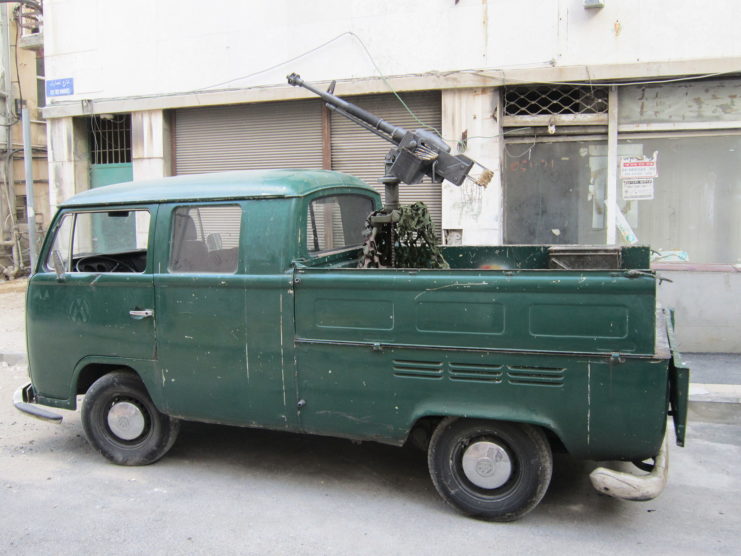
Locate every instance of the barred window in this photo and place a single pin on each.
(540, 100)
(110, 139)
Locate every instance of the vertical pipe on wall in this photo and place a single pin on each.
(611, 207)
(28, 166)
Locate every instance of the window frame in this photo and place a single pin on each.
(48, 264)
(199, 227)
(305, 221)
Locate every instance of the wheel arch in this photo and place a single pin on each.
(90, 369)
(427, 417)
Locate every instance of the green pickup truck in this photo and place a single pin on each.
(236, 298)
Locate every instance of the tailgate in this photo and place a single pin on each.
(679, 383)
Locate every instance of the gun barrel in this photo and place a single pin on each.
(394, 132)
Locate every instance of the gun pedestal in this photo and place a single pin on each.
(391, 188)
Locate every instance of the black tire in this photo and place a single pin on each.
(513, 476)
(147, 440)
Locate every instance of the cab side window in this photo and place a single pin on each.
(101, 241)
(336, 222)
(205, 239)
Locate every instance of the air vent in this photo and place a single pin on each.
(476, 373)
(418, 369)
(536, 376)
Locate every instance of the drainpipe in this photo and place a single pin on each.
(30, 204)
(7, 197)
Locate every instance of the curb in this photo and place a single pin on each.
(715, 403)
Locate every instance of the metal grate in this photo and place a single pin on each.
(29, 17)
(545, 100)
(20, 208)
(110, 139)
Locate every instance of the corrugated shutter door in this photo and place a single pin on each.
(248, 136)
(359, 152)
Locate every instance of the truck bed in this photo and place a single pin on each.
(499, 334)
(503, 298)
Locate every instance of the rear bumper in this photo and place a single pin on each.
(634, 487)
(24, 400)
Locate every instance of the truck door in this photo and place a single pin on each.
(219, 350)
(96, 299)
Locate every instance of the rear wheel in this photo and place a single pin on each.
(122, 423)
(490, 469)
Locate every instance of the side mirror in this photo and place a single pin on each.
(58, 263)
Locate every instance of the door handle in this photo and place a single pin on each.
(144, 313)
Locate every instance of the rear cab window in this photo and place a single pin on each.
(101, 241)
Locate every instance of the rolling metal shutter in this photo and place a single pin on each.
(359, 152)
(248, 136)
(289, 135)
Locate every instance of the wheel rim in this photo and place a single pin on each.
(486, 464)
(126, 420)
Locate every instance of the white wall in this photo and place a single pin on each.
(148, 47)
(706, 308)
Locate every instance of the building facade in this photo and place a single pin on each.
(614, 122)
(21, 86)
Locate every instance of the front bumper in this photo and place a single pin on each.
(24, 400)
(634, 487)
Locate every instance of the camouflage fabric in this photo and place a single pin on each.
(408, 241)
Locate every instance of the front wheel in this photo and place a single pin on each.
(122, 423)
(490, 469)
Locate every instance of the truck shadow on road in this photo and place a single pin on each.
(332, 464)
(234, 458)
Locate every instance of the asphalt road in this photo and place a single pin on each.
(225, 490)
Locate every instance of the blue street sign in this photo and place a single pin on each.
(60, 87)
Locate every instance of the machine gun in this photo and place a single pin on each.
(402, 236)
(416, 154)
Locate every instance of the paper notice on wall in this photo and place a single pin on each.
(624, 226)
(636, 167)
(641, 189)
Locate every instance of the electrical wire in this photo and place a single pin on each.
(16, 14)
(504, 81)
(279, 64)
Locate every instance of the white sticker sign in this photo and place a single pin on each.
(639, 166)
(638, 189)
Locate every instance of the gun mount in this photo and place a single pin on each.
(416, 154)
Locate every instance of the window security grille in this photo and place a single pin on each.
(20, 208)
(546, 100)
(29, 18)
(110, 139)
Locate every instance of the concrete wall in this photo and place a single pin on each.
(142, 47)
(472, 214)
(707, 309)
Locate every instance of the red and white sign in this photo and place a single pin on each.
(639, 167)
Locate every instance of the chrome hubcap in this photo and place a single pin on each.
(486, 464)
(126, 420)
